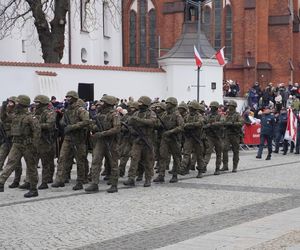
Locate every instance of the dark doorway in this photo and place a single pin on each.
(86, 91)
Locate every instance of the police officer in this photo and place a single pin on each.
(26, 133)
(142, 122)
(280, 128)
(46, 146)
(266, 133)
(105, 136)
(76, 121)
(171, 123)
(233, 127)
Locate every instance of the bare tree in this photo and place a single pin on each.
(50, 19)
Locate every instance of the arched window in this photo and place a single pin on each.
(218, 23)
(228, 33)
(207, 24)
(132, 38)
(143, 33)
(152, 38)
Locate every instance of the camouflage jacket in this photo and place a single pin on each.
(233, 122)
(214, 125)
(193, 126)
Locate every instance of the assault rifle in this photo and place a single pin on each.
(101, 128)
(3, 135)
(165, 129)
(139, 132)
(67, 122)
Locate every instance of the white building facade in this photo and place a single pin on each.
(93, 36)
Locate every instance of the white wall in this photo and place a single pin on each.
(25, 80)
(182, 79)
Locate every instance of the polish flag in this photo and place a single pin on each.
(220, 57)
(197, 57)
(291, 127)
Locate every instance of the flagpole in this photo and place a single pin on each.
(198, 84)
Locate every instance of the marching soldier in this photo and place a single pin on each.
(142, 123)
(46, 146)
(106, 133)
(7, 114)
(214, 132)
(26, 133)
(233, 123)
(193, 129)
(171, 123)
(75, 120)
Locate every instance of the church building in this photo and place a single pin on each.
(261, 37)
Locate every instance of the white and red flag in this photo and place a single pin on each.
(197, 57)
(291, 127)
(220, 57)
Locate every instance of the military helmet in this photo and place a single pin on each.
(23, 100)
(195, 105)
(12, 99)
(172, 100)
(42, 99)
(162, 105)
(145, 100)
(183, 105)
(133, 105)
(73, 94)
(110, 100)
(214, 104)
(232, 103)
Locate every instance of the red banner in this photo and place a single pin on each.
(252, 134)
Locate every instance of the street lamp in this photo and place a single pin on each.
(198, 4)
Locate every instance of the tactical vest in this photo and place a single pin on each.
(170, 120)
(196, 131)
(216, 130)
(234, 129)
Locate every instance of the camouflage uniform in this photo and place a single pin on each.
(76, 121)
(233, 123)
(107, 129)
(214, 133)
(126, 138)
(171, 123)
(26, 133)
(7, 114)
(193, 129)
(142, 122)
(46, 146)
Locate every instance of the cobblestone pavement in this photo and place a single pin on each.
(149, 218)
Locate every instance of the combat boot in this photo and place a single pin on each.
(199, 175)
(130, 182)
(192, 167)
(25, 185)
(147, 183)
(159, 179)
(92, 188)
(204, 169)
(217, 171)
(224, 168)
(58, 184)
(234, 170)
(139, 178)
(268, 157)
(112, 189)
(14, 185)
(174, 179)
(1, 187)
(121, 173)
(43, 186)
(31, 193)
(78, 186)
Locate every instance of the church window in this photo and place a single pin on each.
(218, 20)
(228, 33)
(143, 34)
(152, 37)
(132, 38)
(206, 24)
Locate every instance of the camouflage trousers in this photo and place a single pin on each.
(192, 146)
(169, 146)
(4, 151)
(125, 149)
(100, 151)
(234, 142)
(67, 153)
(14, 157)
(141, 154)
(46, 153)
(214, 143)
